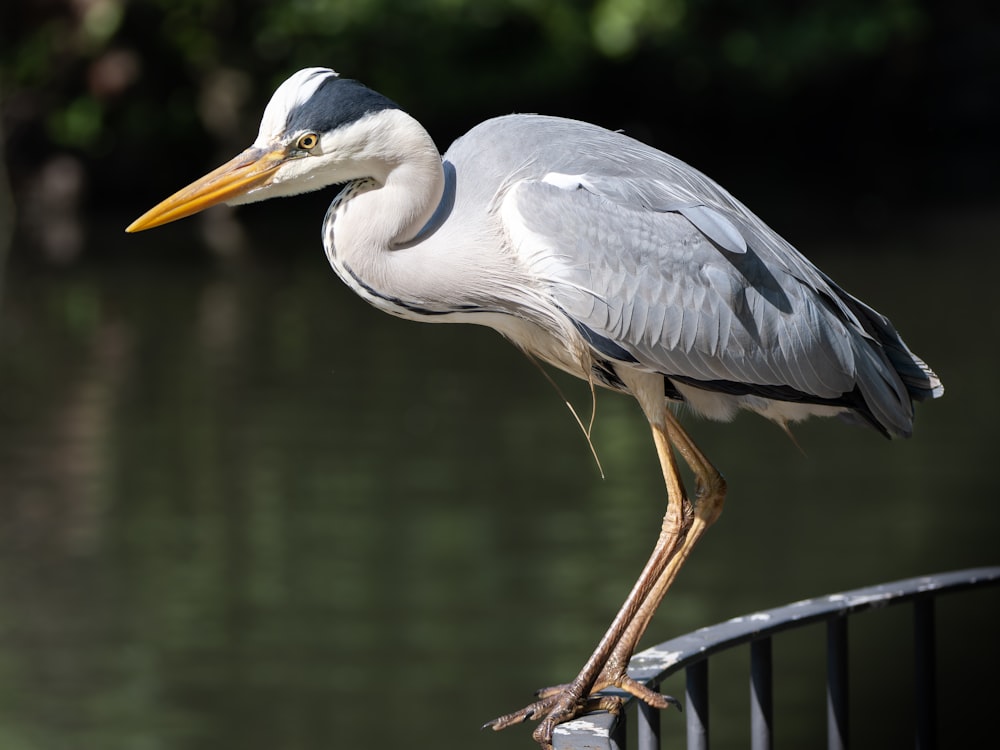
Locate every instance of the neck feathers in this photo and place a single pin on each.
(399, 186)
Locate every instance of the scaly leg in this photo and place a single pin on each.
(683, 525)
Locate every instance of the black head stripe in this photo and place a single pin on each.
(337, 102)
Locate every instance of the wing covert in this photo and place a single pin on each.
(687, 289)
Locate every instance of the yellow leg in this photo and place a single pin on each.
(710, 495)
(683, 524)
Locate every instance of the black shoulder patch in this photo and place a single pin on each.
(604, 345)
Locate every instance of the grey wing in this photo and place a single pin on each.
(685, 281)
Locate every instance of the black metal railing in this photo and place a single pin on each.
(690, 652)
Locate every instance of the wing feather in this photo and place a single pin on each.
(677, 299)
(655, 260)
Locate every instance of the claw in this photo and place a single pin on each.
(517, 717)
(558, 704)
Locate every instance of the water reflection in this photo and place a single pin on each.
(240, 509)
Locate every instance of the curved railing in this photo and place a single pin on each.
(602, 731)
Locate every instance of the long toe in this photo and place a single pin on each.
(647, 695)
(538, 708)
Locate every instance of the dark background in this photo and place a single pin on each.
(241, 509)
(849, 109)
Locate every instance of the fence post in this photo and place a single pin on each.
(648, 727)
(925, 672)
(761, 695)
(697, 705)
(836, 683)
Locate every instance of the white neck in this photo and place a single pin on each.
(403, 182)
(457, 265)
(398, 183)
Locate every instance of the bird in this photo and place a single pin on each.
(595, 254)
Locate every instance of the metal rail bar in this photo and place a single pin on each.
(648, 728)
(761, 695)
(836, 683)
(697, 705)
(601, 731)
(925, 672)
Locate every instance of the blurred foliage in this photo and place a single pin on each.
(71, 64)
(175, 84)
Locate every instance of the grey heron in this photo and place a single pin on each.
(596, 254)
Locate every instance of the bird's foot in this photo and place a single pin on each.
(562, 703)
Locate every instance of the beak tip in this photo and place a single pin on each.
(248, 171)
(146, 221)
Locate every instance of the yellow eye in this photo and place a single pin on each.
(307, 142)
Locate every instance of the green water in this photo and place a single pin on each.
(240, 509)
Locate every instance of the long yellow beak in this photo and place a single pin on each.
(253, 168)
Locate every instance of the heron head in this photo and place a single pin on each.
(317, 130)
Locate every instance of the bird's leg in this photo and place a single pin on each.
(710, 492)
(683, 524)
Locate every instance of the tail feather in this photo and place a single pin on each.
(892, 376)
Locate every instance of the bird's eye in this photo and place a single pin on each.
(307, 142)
